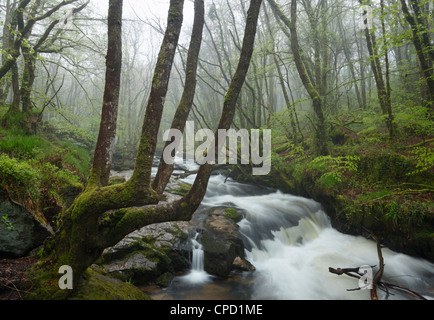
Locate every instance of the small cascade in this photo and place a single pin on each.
(197, 274)
(197, 255)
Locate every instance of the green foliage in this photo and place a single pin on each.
(73, 134)
(62, 154)
(23, 146)
(413, 120)
(425, 160)
(288, 153)
(7, 223)
(336, 168)
(20, 179)
(36, 185)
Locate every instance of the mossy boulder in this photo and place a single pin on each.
(178, 188)
(233, 214)
(147, 254)
(97, 284)
(20, 230)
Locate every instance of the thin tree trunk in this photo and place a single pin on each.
(289, 105)
(382, 88)
(181, 115)
(422, 45)
(350, 62)
(154, 112)
(317, 99)
(388, 86)
(100, 172)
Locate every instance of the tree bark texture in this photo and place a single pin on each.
(183, 111)
(100, 172)
(154, 112)
(424, 48)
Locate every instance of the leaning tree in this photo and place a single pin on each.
(103, 215)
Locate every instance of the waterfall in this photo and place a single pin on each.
(197, 255)
(197, 274)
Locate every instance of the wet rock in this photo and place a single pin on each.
(147, 254)
(223, 243)
(20, 231)
(241, 264)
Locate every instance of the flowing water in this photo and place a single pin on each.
(292, 244)
(197, 274)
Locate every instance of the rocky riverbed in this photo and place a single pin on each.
(157, 253)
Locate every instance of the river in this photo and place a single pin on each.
(292, 244)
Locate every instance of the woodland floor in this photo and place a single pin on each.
(12, 277)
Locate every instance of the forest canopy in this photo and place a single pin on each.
(333, 64)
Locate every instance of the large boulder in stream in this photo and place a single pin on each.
(20, 230)
(222, 243)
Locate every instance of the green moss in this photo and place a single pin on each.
(116, 180)
(97, 285)
(165, 279)
(233, 214)
(182, 189)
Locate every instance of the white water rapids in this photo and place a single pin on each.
(292, 244)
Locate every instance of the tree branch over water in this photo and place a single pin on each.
(377, 282)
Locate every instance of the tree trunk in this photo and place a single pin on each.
(6, 35)
(100, 172)
(424, 49)
(181, 115)
(308, 82)
(154, 112)
(102, 216)
(289, 105)
(383, 89)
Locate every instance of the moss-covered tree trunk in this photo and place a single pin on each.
(165, 170)
(102, 216)
(383, 91)
(86, 231)
(154, 111)
(100, 172)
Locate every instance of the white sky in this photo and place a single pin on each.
(146, 9)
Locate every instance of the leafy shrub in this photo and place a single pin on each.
(414, 121)
(425, 160)
(5, 220)
(335, 168)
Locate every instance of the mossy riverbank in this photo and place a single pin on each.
(383, 189)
